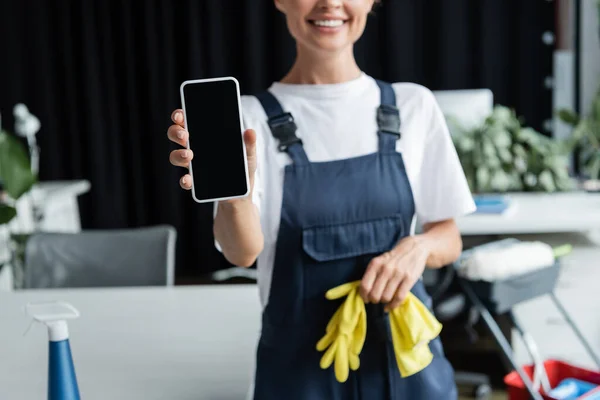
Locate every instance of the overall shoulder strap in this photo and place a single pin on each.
(283, 128)
(388, 118)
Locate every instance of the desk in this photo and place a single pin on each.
(175, 343)
(539, 213)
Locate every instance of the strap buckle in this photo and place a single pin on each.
(388, 119)
(284, 129)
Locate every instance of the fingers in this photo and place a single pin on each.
(392, 286)
(375, 278)
(186, 182)
(368, 279)
(383, 277)
(177, 117)
(178, 135)
(401, 293)
(181, 158)
(386, 280)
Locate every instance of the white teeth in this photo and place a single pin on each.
(329, 22)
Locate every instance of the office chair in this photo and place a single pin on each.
(101, 258)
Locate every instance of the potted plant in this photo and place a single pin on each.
(16, 178)
(585, 137)
(502, 155)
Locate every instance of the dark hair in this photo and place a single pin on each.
(376, 4)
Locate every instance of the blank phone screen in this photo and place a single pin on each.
(215, 136)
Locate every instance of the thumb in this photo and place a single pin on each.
(250, 143)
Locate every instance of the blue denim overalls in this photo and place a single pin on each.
(335, 217)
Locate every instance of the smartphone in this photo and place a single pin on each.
(213, 118)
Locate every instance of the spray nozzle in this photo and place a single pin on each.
(54, 316)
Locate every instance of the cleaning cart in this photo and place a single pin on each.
(543, 379)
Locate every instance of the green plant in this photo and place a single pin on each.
(586, 132)
(15, 174)
(16, 179)
(502, 155)
(586, 137)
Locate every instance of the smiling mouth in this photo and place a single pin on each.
(327, 23)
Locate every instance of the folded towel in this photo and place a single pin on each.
(411, 323)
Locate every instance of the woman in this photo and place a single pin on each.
(342, 165)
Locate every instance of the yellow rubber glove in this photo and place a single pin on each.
(359, 335)
(345, 333)
(413, 327)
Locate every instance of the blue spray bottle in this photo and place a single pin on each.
(62, 381)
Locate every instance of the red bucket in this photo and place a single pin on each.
(556, 370)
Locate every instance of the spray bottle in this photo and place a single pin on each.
(62, 381)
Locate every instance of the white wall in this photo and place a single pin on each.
(590, 53)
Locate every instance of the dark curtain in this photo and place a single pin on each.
(103, 77)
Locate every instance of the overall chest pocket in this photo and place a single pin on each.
(339, 253)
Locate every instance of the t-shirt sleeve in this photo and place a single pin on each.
(442, 191)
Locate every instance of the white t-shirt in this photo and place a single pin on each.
(338, 121)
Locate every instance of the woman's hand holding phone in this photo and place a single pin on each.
(237, 223)
(182, 157)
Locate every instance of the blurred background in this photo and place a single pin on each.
(87, 89)
(103, 78)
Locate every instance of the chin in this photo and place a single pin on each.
(329, 43)
(330, 46)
